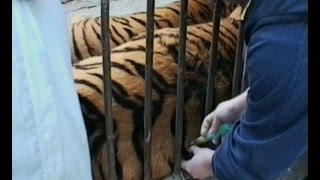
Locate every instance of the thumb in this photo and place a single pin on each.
(184, 164)
(214, 126)
(206, 124)
(195, 149)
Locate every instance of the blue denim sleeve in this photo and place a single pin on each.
(272, 133)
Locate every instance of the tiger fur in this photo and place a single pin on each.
(128, 90)
(86, 32)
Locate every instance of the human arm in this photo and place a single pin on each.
(272, 134)
(273, 131)
(226, 112)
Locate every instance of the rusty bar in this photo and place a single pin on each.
(213, 56)
(148, 91)
(239, 63)
(107, 88)
(180, 87)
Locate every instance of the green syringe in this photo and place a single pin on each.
(204, 141)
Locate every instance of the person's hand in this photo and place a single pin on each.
(199, 167)
(226, 112)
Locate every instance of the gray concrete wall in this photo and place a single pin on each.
(77, 8)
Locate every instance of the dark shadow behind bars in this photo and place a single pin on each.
(239, 66)
(238, 82)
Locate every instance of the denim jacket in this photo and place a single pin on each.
(272, 133)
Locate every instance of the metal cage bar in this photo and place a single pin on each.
(148, 91)
(107, 88)
(238, 86)
(180, 88)
(239, 63)
(213, 56)
(244, 81)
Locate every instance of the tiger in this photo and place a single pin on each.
(86, 32)
(128, 91)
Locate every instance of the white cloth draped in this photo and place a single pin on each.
(49, 138)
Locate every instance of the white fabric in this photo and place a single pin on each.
(49, 138)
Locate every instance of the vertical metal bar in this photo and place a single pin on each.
(213, 55)
(244, 83)
(239, 62)
(148, 91)
(107, 88)
(180, 87)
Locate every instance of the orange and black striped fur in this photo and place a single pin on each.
(86, 33)
(128, 85)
